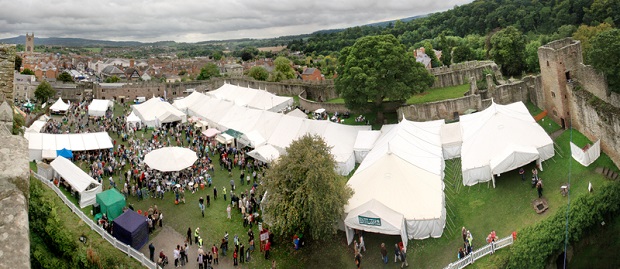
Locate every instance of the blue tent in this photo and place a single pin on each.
(132, 229)
(65, 153)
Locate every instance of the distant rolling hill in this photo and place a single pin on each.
(376, 24)
(71, 42)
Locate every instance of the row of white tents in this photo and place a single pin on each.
(44, 146)
(269, 132)
(407, 161)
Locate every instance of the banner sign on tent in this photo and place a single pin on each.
(369, 221)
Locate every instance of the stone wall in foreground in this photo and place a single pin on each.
(14, 176)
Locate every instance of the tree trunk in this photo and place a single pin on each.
(379, 111)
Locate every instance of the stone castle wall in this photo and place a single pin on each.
(440, 110)
(7, 67)
(461, 73)
(593, 80)
(597, 119)
(14, 176)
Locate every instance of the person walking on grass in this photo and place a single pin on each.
(539, 187)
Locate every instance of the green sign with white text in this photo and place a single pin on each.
(369, 221)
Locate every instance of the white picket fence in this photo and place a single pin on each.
(117, 244)
(481, 252)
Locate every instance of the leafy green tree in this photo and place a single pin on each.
(531, 56)
(18, 62)
(605, 56)
(112, 79)
(304, 192)
(65, 77)
(27, 72)
(210, 70)
(258, 73)
(283, 69)
(377, 68)
(462, 53)
(508, 50)
(585, 34)
(428, 49)
(44, 92)
(18, 122)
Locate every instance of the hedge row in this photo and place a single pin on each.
(536, 243)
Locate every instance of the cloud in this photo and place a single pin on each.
(199, 20)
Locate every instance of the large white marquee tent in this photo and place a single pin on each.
(44, 146)
(263, 127)
(407, 162)
(81, 182)
(253, 98)
(154, 112)
(98, 107)
(499, 139)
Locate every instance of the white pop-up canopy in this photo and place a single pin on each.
(98, 107)
(253, 98)
(499, 139)
(81, 182)
(133, 120)
(59, 106)
(407, 162)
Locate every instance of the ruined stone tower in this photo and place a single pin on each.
(559, 61)
(29, 43)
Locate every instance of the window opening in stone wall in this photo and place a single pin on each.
(547, 63)
(568, 76)
(553, 94)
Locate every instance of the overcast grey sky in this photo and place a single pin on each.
(199, 20)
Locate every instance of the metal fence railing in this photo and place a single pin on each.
(127, 249)
(481, 252)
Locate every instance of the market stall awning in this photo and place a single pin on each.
(234, 133)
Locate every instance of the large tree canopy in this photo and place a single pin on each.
(304, 192)
(508, 50)
(283, 70)
(44, 91)
(208, 71)
(605, 56)
(377, 68)
(258, 73)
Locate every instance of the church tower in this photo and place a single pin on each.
(29, 43)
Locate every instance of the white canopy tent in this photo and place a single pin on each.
(253, 98)
(154, 112)
(407, 162)
(59, 106)
(363, 144)
(133, 121)
(44, 146)
(36, 126)
(184, 103)
(265, 153)
(586, 156)
(98, 107)
(451, 140)
(81, 182)
(499, 139)
(258, 127)
(297, 113)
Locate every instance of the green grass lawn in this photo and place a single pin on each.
(438, 94)
(430, 95)
(547, 123)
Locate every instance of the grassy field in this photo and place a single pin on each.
(480, 208)
(438, 94)
(94, 50)
(547, 123)
(430, 95)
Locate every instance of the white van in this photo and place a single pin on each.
(139, 100)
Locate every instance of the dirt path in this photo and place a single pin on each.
(168, 239)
